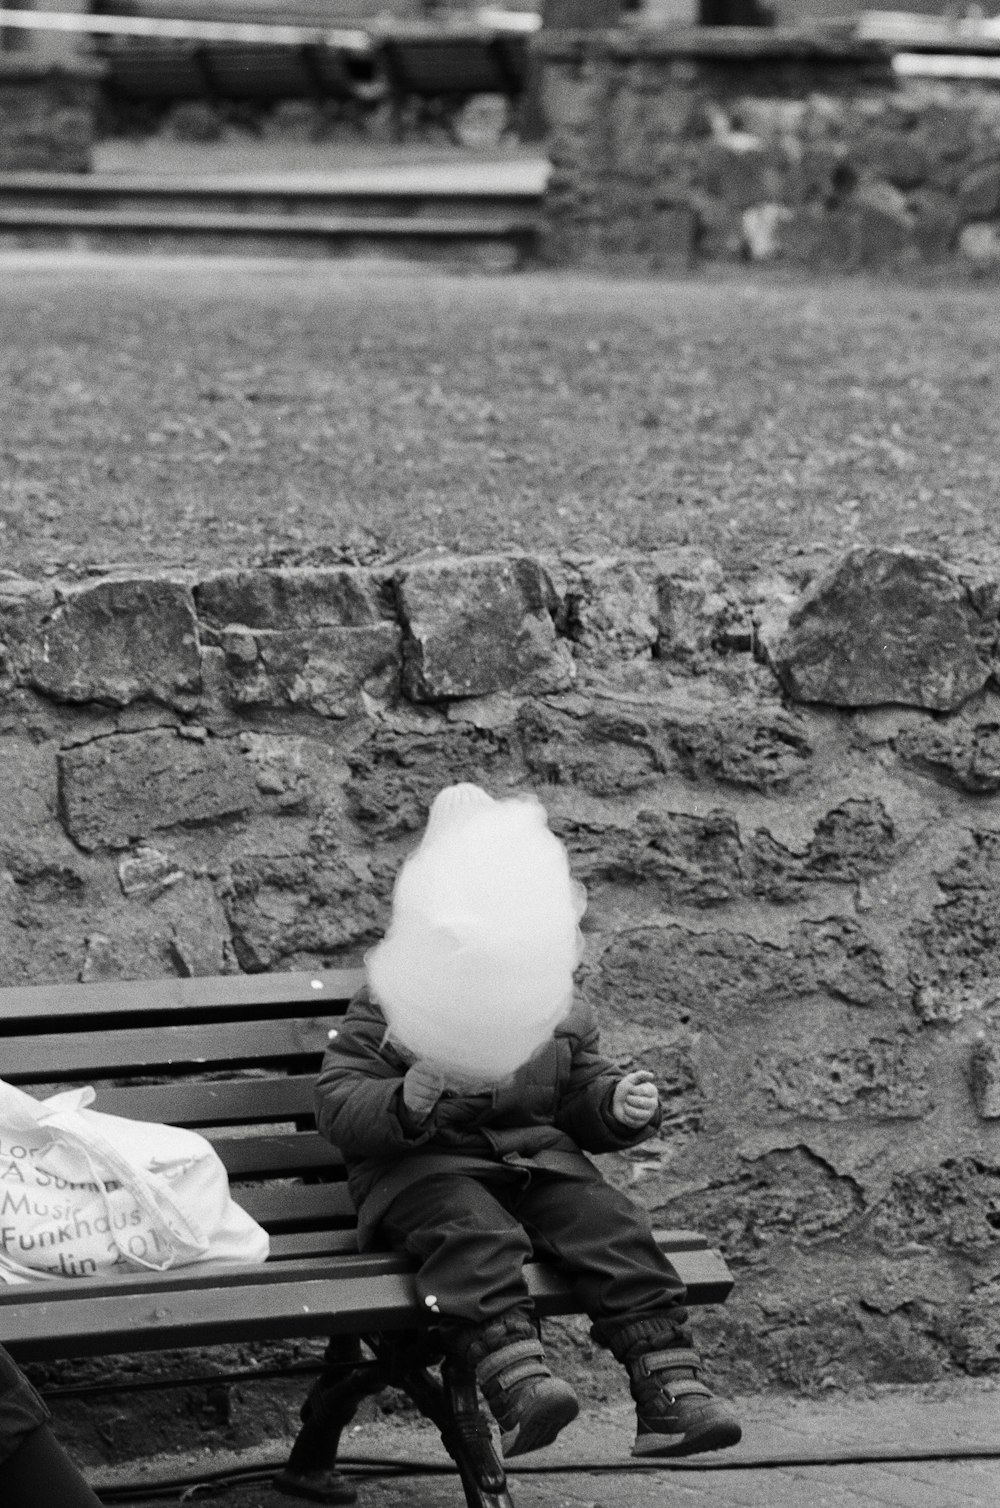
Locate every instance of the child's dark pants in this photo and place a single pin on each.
(472, 1234)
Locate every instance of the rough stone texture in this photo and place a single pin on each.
(849, 843)
(671, 607)
(614, 610)
(624, 742)
(669, 976)
(294, 597)
(480, 625)
(322, 669)
(955, 951)
(886, 626)
(984, 1079)
(281, 905)
(882, 1080)
(395, 776)
(763, 145)
(117, 790)
(951, 1206)
(784, 1195)
(118, 642)
(965, 750)
(703, 860)
(693, 861)
(792, 904)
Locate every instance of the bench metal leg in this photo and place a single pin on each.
(310, 1471)
(453, 1405)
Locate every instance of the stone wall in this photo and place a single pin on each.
(47, 113)
(783, 799)
(669, 147)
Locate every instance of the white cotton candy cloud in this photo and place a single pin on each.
(476, 969)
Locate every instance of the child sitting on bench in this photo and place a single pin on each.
(464, 1088)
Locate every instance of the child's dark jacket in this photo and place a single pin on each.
(554, 1109)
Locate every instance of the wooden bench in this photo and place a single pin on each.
(435, 73)
(236, 1058)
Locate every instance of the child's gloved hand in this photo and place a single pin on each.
(423, 1085)
(635, 1099)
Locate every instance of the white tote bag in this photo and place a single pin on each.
(83, 1194)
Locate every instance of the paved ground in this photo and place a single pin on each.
(345, 163)
(525, 176)
(931, 1447)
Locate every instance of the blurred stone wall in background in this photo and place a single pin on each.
(782, 797)
(765, 146)
(48, 112)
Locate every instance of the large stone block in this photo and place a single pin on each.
(849, 843)
(395, 776)
(964, 750)
(692, 860)
(882, 1079)
(478, 625)
(614, 609)
(115, 791)
(951, 1207)
(670, 976)
(692, 608)
(757, 747)
(606, 750)
(24, 606)
(320, 670)
(292, 598)
(954, 954)
(789, 1195)
(624, 743)
(283, 904)
(40, 865)
(886, 626)
(119, 641)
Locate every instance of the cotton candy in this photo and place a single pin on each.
(476, 969)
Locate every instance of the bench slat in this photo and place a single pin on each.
(286, 1206)
(285, 1154)
(350, 1263)
(232, 993)
(289, 1244)
(103, 1054)
(286, 1245)
(226, 1102)
(43, 1326)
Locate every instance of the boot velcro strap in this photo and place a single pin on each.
(687, 1386)
(669, 1361)
(513, 1363)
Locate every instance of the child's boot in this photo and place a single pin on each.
(677, 1414)
(527, 1402)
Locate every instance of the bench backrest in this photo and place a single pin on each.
(234, 1058)
(434, 66)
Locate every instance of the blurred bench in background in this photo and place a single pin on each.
(157, 58)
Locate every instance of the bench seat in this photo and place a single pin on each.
(236, 1058)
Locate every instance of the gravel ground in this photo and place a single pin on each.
(215, 412)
